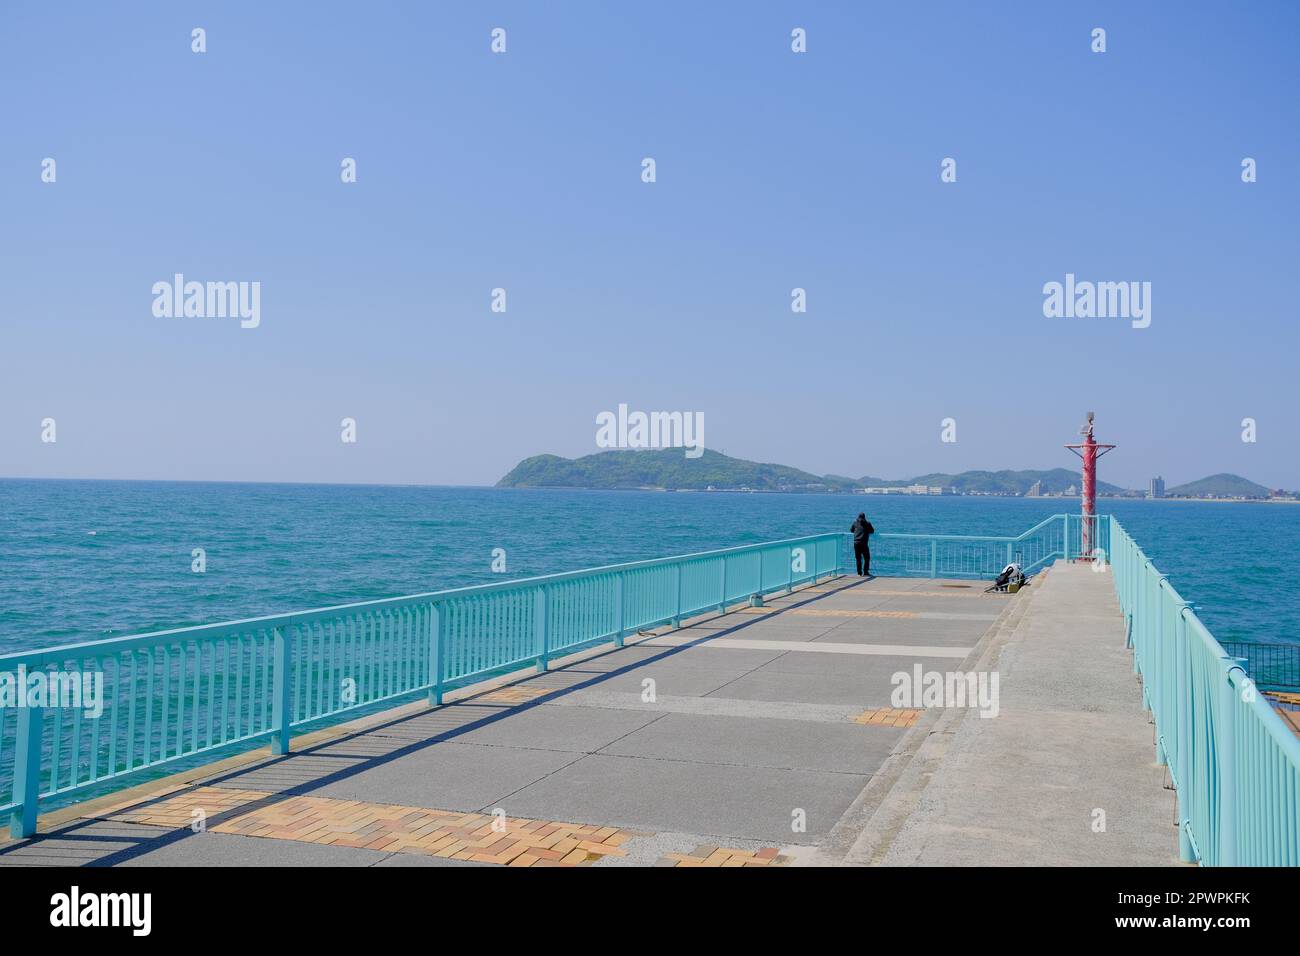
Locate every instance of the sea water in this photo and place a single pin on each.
(81, 560)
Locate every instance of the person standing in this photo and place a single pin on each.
(862, 532)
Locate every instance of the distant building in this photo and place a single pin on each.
(1072, 490)
(923, 490)
(910, 490)
(1157, 489)
(1035, 490)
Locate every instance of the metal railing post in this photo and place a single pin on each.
(1227, 760)
(1139, 620)
(27, 770)
(436, 630)
(722, 598)
(677, 585)
(1159, 677)
(281, 708)
(1182, 785)
(789, 571)
(539, 627)
(934, 557)
(618, 612)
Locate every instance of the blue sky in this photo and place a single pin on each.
(522, 171)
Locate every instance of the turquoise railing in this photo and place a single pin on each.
(1234, 764)
(183, 694)
(984, 556)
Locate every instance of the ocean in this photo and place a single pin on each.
(81, 560)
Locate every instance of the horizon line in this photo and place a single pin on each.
(498, 487)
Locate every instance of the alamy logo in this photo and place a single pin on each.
(651, 430)
(209, 300)
(921, 689)
(67, 690)
(1101, 300)
(74, 909)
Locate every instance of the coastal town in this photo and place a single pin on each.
(1155, 489)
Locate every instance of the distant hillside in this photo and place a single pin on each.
(1219, 486)
(663, 468)
(670, 468)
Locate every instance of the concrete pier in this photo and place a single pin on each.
(763, 736)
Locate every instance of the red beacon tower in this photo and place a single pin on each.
(1089, 451)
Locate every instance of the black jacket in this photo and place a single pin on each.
(861, 530)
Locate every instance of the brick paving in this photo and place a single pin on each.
(712, 856)
(512, 695)
(889, 717)
(477, 837)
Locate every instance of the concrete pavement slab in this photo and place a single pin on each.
(761, 742)
(868, 669)
(715, 706)
(678, 679)
(861, 649)
(289, 772)
(617, 659)
(962, 634)
(548, 727)
(784, 626)
(81, 843)
(443, 721)
(723, 653)
(448, 776)
(746, 802)
(835, 687)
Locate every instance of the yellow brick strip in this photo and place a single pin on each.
(888, 717)
(513, 695)
(506, 841)
(725, 856)
(177, 811)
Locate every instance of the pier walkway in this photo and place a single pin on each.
(763, 736)
(1065, 775)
